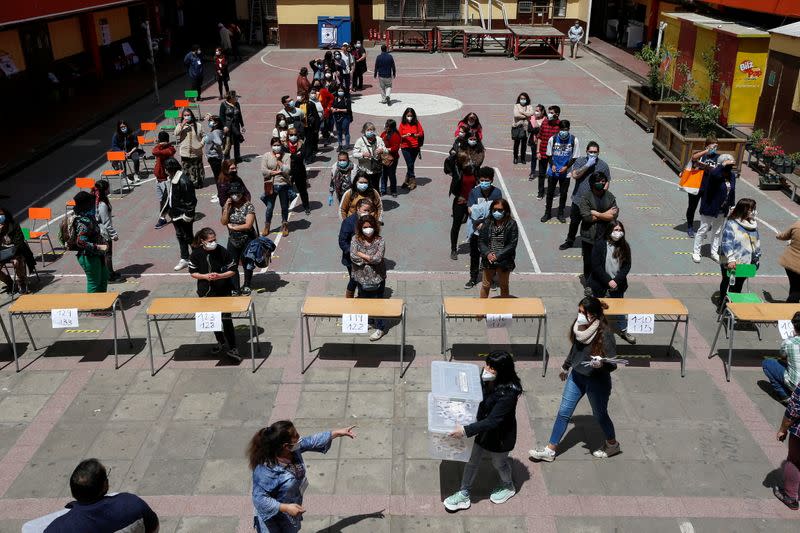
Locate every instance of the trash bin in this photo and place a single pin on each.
(333, 31)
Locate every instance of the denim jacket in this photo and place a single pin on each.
(274, 485)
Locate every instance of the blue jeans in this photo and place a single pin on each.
(378, 293)
(282, 193)
(774, 370)
(410, 156)
(343, 130)
(500, 462)
(389, 174)
(598, 389)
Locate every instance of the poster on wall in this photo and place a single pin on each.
(105, 32)
(7, 65)
(328, 35)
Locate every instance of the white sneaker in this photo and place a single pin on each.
(376, 335)
(136, 178)
(183, 263)
(608, 450)
(542, 454)
(715, 257)
(696, 258)
(215, 199)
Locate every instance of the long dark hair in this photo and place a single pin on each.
(217, 122)
(742, 209)
(119, 125)
(391, 127)
(622, 250)
(405, 113)
(266, 444)
(354, 186)
(477, 125)
(194, 117)
(506, 210)
(9, 223)
(202, 235)
(100, 190)
(527, 98)
(503, 363)
(593, 306)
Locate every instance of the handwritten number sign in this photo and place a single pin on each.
(786, 328)
(641, 324)
(64, 318)
(498, 321)
(208, 322)
(354, 323)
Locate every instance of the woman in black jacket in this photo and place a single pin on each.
(592, 340)
(497, 244)
(214, 268)
(230, 114)
(14, 247)
(181, 202)
(610, 267)
(495, 431)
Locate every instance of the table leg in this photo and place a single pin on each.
(114, 321)
(441, 327)
(685, 346)
(160, 338)
(5, 331)
(545, 355)
(538, 332)
(674, 331)
(125, 323)
(150, 349)
(255, 325)
(25, 323)
(13, 340)
(402, 338)
(252, 348)
(732, 325)
(714, 342)
(302, 346)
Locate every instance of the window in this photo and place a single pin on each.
(443, 9)
(560, 8)
(433, 9)
(525, 7)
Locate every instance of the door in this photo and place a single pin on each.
(363, 21)
(35, 39)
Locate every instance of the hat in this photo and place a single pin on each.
(236, 187)
(84, 201)
(345, 44)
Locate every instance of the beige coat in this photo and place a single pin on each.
(270, 162)
(790, 259)
(190, 144)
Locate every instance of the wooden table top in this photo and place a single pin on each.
(42, 303)
(523, 307)
(334, 306)
(645, 306)
(763, 312)
(190, 306)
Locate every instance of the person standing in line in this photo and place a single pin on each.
(717, 197)
(228, 175)
(190, 147)
(275, 455)
(347, 66)
(103, 213)
(534, 125)
(343, 173)
(162, 151)
(299, 175)
(342, 114)
(740, 245)
(180, 205)
(385, 71)
(89, 243)
(582, 167)
(784, 373)
(230, 114)
(575, 35)
(347, 229)
(495, 430)
(303, 85)
(367, 252)
(790, 261)
(480, 198)
(276, 168)
(523, 111)
(281, 127)
(598, 209)
(473, 125)
(550, 126)
(367, 152)
(221, 71)
(464, 178)
(561, 153)
(294, 116)
(125, 140)
(359, 189)
(790, 426)
(225, 36)
(412, 137)
(193, 61)
(214, 268)
(586, 373)
(213, 147)
(239, 216)
(313, 113)
(498, 247)
(705, 159)
(611, 265)
(326, 99)
(391, 139)
(360, 66)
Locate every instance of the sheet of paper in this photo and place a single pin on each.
(355, 323)
(786, 328)
(641, 324)
(64, 318)
(498, 321)
(208, 321)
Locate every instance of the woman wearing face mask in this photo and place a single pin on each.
(125, 140)
(313, 110)
(705, 160)
(326, 99)
(276, 169)
(214, 268)
(299, 176)
(359, 189)
(412, 137)
(498, 247)
(468, 161)
(592, 340)
(534, 125)
(239, 216)
(367, 152)
(221, 70)
(342, 117)
(740, 245)
(473, 124)
(391, 139)
(342, 176)
(190, 147)
(213, 143)
(90, 243)
(275, 454)
(367, 250)
(230, 114)
(717, 196)
(281, 128)
(229, 174)
(12, 243)
(103, 213)
(523, 111)
(610, 267)
(181, 204)
(459, 145)
(495, 430)
(360, 57)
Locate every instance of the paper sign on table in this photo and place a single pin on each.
(355, 323)
(641, 324)
(786, 328)
(64, 318)
(211, 321)
(498, 321)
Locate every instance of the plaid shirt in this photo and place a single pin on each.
(790, 349)
(547, 130)
(793, 412)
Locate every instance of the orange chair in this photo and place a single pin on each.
(37, 214)
(120, 174)
(181, 103)
(80, 183)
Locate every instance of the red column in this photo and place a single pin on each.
(652, 22)
(89, 34)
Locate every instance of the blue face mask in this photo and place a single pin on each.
(485, 184)
(369, 134)
(2, 219)
(498, 214)
(713, 151)
(563, 135)
(343, 164)
(362, 186)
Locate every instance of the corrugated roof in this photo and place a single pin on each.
(792, 30)
(736, 29)
(693, 17)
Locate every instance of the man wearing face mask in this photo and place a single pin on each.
(385, 71)
(480, 198)
(561, 150)
(548, 128)
(347, 229)
(582, 167)
(717, 197)
(193, 61)
(597, 209)
(294, 116)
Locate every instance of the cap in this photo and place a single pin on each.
(345, 43)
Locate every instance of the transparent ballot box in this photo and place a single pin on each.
(454, 400)
(456, 380)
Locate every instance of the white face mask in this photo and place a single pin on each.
(550, 116)
(236, 197)
(616, 235)
(487, 376)
(277, 149)
(368, 231)
(210, 245)
(523, 101)
(282, 123)
(754, 214)
(582, 320)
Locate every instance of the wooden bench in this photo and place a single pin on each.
(792, 181)
(664, 309)
(478, 308)
(41, 305)
(754, 313)
(331, 307)
(169, 309)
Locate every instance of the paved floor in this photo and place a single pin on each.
(698, 452)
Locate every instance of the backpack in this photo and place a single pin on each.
(67, 234)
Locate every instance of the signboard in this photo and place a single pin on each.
(328, 35)
(641, 324)
(64, 318)
(355, 323)
(207, 322)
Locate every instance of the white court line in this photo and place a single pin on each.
(609, 87)
(521, 226)
(453, 61)
(686, 527)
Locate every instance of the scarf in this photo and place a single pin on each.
(587, 335)
(747, 224)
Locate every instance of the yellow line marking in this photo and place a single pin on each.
(571, 256)
(636, 194)
(682, 253)
(159, 246)
(641, 208)
(706, 274)
(660, 225)
(677, 238)
(82, 330)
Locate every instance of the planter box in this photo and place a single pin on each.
(676, 149)
(644, 110)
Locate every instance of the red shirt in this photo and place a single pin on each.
(392, 143)
(303, 85)
(478, 131)
(468, 183)
(547, 130)
(411, 141)
(162, 153)
(326, 99)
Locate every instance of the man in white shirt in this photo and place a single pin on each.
(575, 35)
(349, 62)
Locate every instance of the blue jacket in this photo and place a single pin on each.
(274, 485)
(715, 198)
(474, 195)
(194, 65)
(258, 252)
(384, 66)
(739, 243)
(346, 232)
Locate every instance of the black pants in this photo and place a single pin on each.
(575, 220)
(358, 80)
(301, 184)
(459, 215)
(520, 147)
(352, 284)
(311, 145)
(237, 253)
(563, 185)
(542, 172)
(694, 201)
(586, 254)
(216, 166)
(794, 287)
(474, 257)
(374, 180)
(197, 85)
(228, 334)
(220, 83)
(233, 138)
(725, 287)
(184, 231)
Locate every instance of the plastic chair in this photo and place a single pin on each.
(80, 183)
(36, 214)
(194, 96)
(175, 115)
(746, 271)
(121, 174)
(182, 103)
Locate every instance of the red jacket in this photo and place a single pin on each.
(303, 85)
(478, 131)
(162, 153)
(392, 143)
(547, 130)
(326, 99)
(221, 66)
(411, 141)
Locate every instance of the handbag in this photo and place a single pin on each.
(690, 180)
(387, 159)
(519, 132)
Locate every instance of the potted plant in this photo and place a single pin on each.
(794, 161)
(771, 153)
(753, 139)
(644, 103)
(760, 145)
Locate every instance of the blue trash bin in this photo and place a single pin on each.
(333, 31)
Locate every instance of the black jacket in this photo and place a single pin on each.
(346, 232)
(231, 117)
(183, 199)
(506, 256)
(583, 352)
(217, 260)
(715, 197)
(599, 278)
(496, 428)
